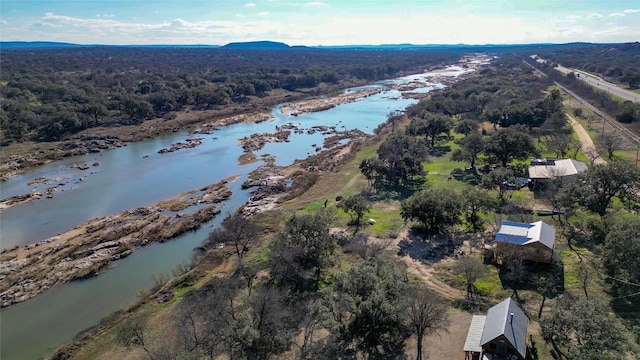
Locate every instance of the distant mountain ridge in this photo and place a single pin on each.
(274, 45)
(257, 45)
(35, 44)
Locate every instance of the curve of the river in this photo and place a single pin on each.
(134, 176)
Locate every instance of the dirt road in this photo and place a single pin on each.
(586, 143)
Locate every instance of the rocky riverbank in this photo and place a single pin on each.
(77, 145)
(89, 248)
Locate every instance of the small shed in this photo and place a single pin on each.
(502, 333)
(531, 242)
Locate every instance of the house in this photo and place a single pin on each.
(532, 242)
(543, 170)
(501, 334)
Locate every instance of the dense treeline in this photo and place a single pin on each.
(49, 93)
(616, 62)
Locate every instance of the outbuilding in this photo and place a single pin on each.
(501, 334)
(532, 242)
(543, 170)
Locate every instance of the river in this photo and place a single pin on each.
(136, 175)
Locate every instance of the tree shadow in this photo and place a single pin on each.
(544, 279)
(388, 192)
(430, 248)
(439, 150)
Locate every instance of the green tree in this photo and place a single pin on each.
(135, 108)
(430, 125)
(628, 112)
(583, 329)
(356, 204)
(303, 250)
(603, 182)
(559, 144)
(95, 110)
(475, 201)
(374, 169)
(368, 306)
(507, 144)
(403, 156)
(498, 178)
(620, 254)
(437, 210)
(632, 77)
(466, 127)
(470, 148)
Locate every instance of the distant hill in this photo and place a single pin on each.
(257, 45)
(5, 45)
(273, 45)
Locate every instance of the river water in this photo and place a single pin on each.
(136, 175)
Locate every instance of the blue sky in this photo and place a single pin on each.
(325, 22)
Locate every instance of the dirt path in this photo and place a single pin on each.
(585, 140)
(425, 273)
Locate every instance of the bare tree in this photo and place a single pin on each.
(366, 247)
(611, 142)
(394, 117)
(584, 275)
(558, 143)
(472, 269)
(592, 154)
(237, 230)
(132, 333)
(425, 312)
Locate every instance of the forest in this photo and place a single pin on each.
(320, 281)
(48, 94)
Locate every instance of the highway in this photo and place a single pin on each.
(628, 135)
(601, 84)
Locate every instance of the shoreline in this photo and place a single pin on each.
(19, 157)
(90, 248)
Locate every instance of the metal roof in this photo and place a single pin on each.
(472, 343)
(522, 234)
(560, 167)
(500, 321)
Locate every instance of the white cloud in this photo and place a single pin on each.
(250, 5)
(341, 29)
(631, 11)
(315, 3)
(4, 22)
(573, 18)
(618, 14)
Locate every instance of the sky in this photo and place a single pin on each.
(325, 22)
